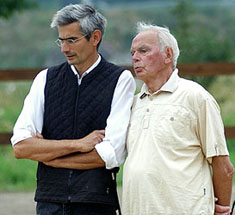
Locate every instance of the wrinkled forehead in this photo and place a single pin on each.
(148, 37)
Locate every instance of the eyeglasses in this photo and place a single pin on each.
(68, 41)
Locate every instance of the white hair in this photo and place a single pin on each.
(165, 39)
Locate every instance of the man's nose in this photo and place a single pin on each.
(64, 47)
(135, 57)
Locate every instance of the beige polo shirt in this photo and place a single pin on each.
(173, 135)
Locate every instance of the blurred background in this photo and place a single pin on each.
(205, 31)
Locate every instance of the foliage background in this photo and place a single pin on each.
(204, 29)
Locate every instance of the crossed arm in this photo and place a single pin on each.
(74, 154)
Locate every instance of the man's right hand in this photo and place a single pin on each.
(88, 142)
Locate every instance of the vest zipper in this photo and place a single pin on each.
(74, 135)
(75, 114)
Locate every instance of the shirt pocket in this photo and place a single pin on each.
(171, 124)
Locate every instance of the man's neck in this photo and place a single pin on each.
(155, 84)
(89, 62)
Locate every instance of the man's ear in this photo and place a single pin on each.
(169, 55)
(96, 37)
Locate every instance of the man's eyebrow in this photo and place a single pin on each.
(73, 38)
(143, 47)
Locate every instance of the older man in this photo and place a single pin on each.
(176, 136)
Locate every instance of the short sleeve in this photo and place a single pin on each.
(211, 128)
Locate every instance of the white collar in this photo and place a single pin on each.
(169, 86)
(88, 70)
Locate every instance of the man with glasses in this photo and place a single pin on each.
(74, 121)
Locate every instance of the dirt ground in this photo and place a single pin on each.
(19, 203)
(23, 203)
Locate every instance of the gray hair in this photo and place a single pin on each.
(88, 18)
(165, 39)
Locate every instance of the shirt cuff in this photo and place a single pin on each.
(107, 153)
(24, 134)
(217, 151)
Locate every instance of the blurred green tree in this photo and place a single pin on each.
(199, 41)
(8, 7)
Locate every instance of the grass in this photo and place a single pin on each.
(119, 177)
(16, 175)
(231, 149)
(12, 95)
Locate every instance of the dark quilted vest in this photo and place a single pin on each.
(72, 112)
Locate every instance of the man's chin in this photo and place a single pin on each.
(70, 62)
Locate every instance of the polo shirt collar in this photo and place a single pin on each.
(170, 86)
